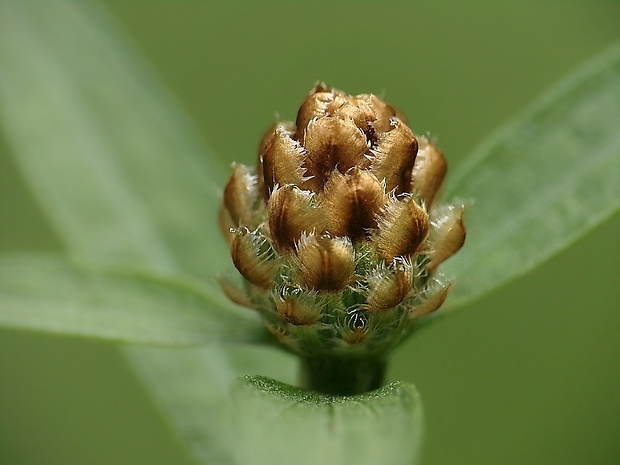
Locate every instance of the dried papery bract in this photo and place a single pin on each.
(292, 212)
(394, 156)
(428, 172)
(403, 228)
(338, 232)
(325, 263)
(448, 234)
(352, 202)
(389, 285)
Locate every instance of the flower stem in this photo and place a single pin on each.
(342, 376)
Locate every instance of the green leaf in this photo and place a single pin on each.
(540, 183)
(193, 388)
(57, 296)
(114, 163)
(276, 420)
(125, 182)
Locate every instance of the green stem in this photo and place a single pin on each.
(342, 376)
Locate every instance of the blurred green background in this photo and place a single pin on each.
(528, 375)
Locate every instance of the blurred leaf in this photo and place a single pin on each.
(194, 390)
(541, 182)
(115, 165)
(57, 296)
(124, 181)
(276, 420)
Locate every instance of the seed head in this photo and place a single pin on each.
(336, 232)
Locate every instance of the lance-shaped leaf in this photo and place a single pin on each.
(61, 297)
(541, 182)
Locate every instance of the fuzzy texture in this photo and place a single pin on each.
(336, 232)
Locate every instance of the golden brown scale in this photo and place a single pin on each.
(394, 157)
(251, 261)
(325, 263)
(428, 171)
(352, 202)
(403, 227)
(291, 213)
(388, 287)
(282, 159)
(240, 194)
(332, 143)
(315, 106)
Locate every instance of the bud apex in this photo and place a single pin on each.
(332, 143)
(313, 107)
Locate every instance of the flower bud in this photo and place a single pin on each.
(332, 232)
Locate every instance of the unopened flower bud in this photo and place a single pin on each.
(336, 232)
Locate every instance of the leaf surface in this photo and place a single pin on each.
(61, 297)
(541, 182)
(278, 420)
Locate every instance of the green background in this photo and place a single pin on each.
(528, 375)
